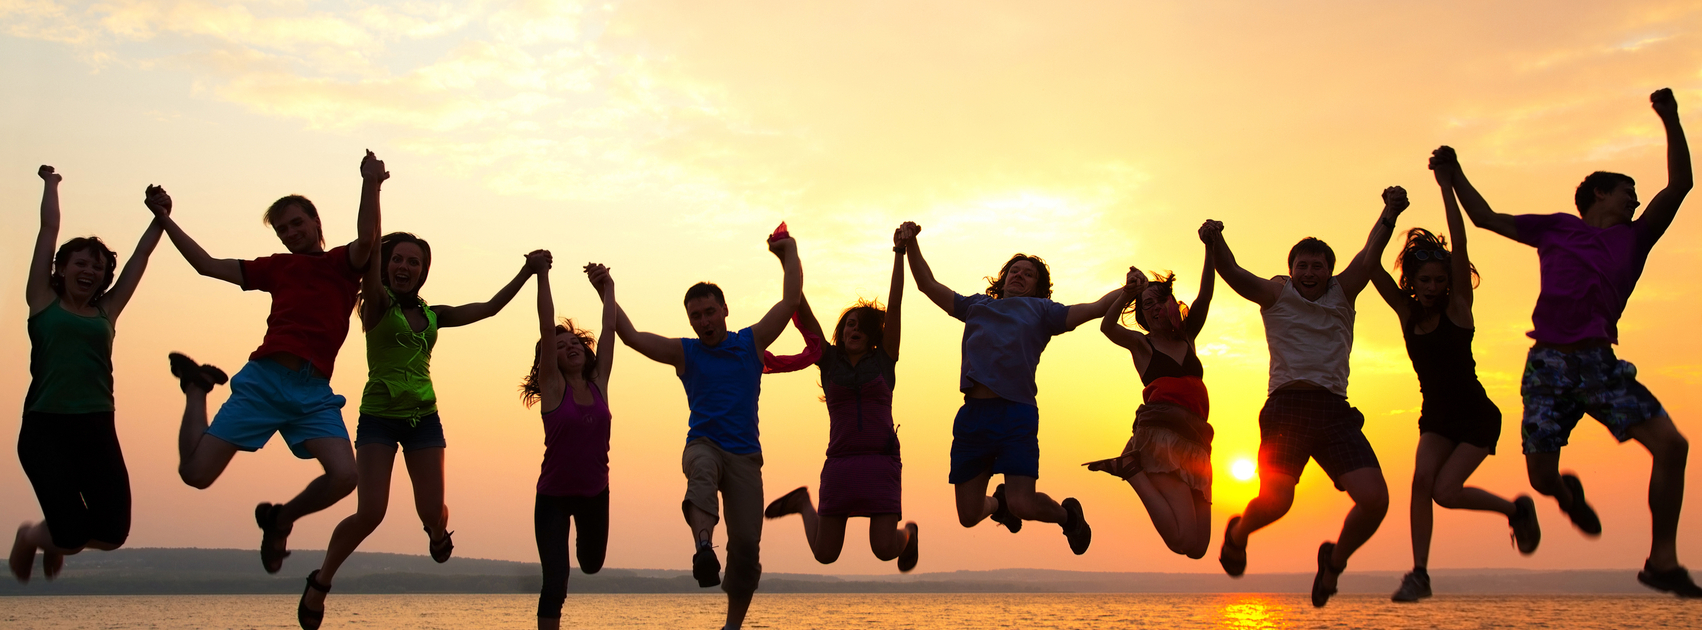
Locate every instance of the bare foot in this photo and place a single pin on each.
(22, 560)
(51, 563)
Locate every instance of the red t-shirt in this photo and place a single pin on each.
(312, 298)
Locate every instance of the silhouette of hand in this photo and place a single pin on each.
(1445, 163)
(599, 277)
(1134, 282)
(538, 261)
(372, 168)
(47, 174)
(157, 201)
(1664, 103)
(781, 246)
(1395, 199)
(1210, 231)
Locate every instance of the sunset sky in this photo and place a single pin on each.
(665, 139)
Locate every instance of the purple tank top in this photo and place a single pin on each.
(576, 448)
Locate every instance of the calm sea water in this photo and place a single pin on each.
(680, 612)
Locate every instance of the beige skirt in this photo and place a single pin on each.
(1157, 448)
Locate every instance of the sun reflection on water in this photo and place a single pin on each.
(1251, 611)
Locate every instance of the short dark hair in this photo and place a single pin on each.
(1311, 245)
(62, 259)
(706, 289)
(1602, 181)
(871, 319)
(283, 203)
(1042, 283)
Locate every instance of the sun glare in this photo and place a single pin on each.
(1243, 470)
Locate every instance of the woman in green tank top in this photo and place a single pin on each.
(398, 407)
(67, 442)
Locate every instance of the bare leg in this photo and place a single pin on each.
(1029, 505)
(1276, 496)
(1433, 451)
(737, 606)
(973, 504)
(1543, 469)
(829, 538)
(886, 538)
(1666, 486)
(376, 462)
(341, 477)
(426, 470)
(702, 524)
(1170, 503)
(1370, 504)
(1451, 491)
(201, 457)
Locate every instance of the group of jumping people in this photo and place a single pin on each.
(1589, 262)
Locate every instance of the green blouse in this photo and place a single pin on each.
(398, 363)
(70, 362)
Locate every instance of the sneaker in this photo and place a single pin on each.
(1675, 580)
(1526, 532)
(203, 377)
(786, 504)
(1320, 593)
(706, 567)
(1075, 527)
(1414, 587)
(1003, 515)
(1581, 513)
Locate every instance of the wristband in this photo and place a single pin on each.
(898, 249)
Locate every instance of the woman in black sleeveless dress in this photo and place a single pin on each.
(1458, 425)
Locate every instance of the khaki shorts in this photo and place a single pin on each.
(738, 479)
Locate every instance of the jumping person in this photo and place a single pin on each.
(67, 443)
(1308, 317)
(1168, 459)
(722, 375)
(862, 475)
(996, 431)
(285, 387)
(570, 383)
(1458, 426)
(1590, 263)
(399, 406)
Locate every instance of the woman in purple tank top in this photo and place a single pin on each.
(862, 475)
(570, 383)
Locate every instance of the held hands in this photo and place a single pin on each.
(372, 168)
(47, 174)
(157, 201)
(1210, 232)
(1445, 163)
(538, 261)
(780, 247)
(1664, 103)
(1394, 201)
(905, 235)
(599, 277)
(1134, 283)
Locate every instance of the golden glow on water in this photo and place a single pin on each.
(1251, 611)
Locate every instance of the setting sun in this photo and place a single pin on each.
(1243, 469)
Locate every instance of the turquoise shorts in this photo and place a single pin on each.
(267, 398)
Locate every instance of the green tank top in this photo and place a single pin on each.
(70, 362)
(398, 360)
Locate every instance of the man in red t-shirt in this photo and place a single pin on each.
(285, 387)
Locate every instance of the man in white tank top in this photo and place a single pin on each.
(1309, 325)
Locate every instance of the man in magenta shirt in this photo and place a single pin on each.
(1590, 263)
(285, 387)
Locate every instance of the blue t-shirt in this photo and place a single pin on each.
(1003, 339)
(722, 384)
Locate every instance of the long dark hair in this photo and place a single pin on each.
(1435, 249)
(1042, 279)
(531, 389)
(871, 319)
(1166, 284)
(387, 247)
(62, 259)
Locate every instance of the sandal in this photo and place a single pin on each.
(309, 618)
(201, 376)
(1002, 515)
(1235, 567)
(442, 547)
(272, 544)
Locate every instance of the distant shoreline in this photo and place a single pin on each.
(165, 571)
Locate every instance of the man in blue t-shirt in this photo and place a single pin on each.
(722, 375)
(996, 432)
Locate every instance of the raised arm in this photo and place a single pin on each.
(1664, 207)
(1208, 285)
(1359, 270)
(893, 327)
(605, 286)
(374, 298)
(449, 316)
(1089, 311)
(1387, 288)
(941, 295)
(38, 292)
(1444, 158)
(1257, 290)
(773, 323)
(653, 346)
(226, 269)
(552, 386)
(124, 288)
(1134, 282)
(1460, 264)
(372, 176)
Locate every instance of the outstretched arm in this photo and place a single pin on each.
(226, 269)
(605, 286)
(125, 287)
(1208, 285)
(372, 176)
(891, 333)
(1089, 311)
(1358, 272)
(450, 316)
(552, 386)
(941, 295)
(38, 293)
(1111, 325)
(773, 323)
(1257, 290)
(1664, 207)
(1444, 159)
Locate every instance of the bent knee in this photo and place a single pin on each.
(830, 557)
(196, 479)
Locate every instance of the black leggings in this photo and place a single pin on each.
(550, 525)
(74, 462)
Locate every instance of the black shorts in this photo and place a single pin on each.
(78, 472)
(408, 434)
(1476, 422)
(1299, 425)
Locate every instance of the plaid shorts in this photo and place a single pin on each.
(1299, 425)
(1560, 387)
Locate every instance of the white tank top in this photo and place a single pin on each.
(1309, 341)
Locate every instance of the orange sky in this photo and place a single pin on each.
(666, 139)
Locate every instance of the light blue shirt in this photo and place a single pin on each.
(1003, 339)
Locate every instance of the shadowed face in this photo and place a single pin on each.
(570, 353)
(82, 275)
(1021, 279)
(856, 341)
(1430, 283)
(1310, 274)
(1615, 207)
(297, 230)
(708, 318)
(1160, 309)
(404, 268)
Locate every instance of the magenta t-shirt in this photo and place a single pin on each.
(1587, 274)
(576, 448)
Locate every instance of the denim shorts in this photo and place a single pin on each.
(267, 398)
(410, 434)
(997, 435)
